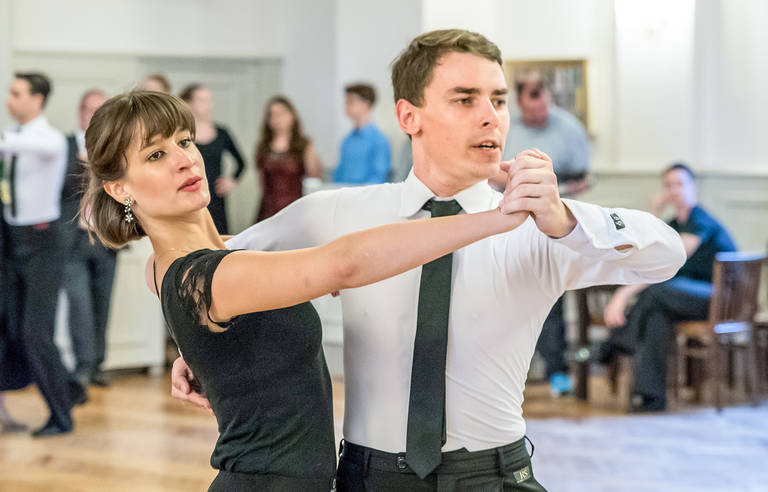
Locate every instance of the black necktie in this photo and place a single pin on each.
(426, 407)
(12, 184)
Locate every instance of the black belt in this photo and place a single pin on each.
(458, 461)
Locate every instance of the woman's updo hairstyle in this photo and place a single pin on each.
(144, 114)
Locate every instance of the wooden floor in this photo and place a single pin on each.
(134, 437)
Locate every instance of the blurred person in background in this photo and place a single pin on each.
(284, 157)
(90, 268)
(647, 331)
(365, 156)
(14, 370)
(536, 122)
(155, 82)
(34, 156)
(213, 139)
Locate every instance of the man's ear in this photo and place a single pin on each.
(116, 190)
(408, 117)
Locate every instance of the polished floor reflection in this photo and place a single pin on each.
(133, 436)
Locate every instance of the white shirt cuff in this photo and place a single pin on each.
(599, 231)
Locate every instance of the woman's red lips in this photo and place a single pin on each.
(191, 183)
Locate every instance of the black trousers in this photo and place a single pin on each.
(507, 468)
(250, 482)
(551, 343)
(34, 266)
(88, 277)
(650, 331)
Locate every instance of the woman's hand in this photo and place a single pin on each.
(224, 186)
(181, 389)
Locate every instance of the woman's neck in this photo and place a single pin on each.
(175, 237)
(281, 141)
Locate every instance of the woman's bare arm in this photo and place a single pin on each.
(250, 281)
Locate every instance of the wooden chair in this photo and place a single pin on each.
(590, 304)
(729, 329)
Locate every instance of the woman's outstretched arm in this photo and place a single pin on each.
(250, 281)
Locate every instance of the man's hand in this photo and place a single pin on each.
(532, 187)
(224, 186)
(613, 314)
(181, 375)
(659, 202)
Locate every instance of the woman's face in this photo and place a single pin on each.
(280, 118)
(201, 103)
(166, 178)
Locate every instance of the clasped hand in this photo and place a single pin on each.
(532, 187)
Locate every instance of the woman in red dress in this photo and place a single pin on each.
(284, 157)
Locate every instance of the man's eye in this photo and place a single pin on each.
(465, 100)
(501, 103)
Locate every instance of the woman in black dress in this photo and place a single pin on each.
(242, 318)
(212, 140)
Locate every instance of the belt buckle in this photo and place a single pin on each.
(401, 464)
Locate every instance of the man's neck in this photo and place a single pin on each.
(682, 213)
(362, 121)
(23, 121)
(440, 184)
(535, 123)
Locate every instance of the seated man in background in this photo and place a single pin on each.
(648, 330)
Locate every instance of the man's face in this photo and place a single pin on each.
(89, 105)
(534, 102)
(22, 104)
(355, 107)
(679, 189)
(464, 119)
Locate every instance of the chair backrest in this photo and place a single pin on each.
(735, 282)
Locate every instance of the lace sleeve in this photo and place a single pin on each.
(192, 278)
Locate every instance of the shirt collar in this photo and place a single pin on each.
(477, 198)
(39, 121)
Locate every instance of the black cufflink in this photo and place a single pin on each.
(617, 222)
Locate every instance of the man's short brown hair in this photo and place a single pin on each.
(412, 70)
(365, 91)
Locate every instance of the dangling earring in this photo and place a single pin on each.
(128, 211)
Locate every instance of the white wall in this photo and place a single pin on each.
(369, 35)
(229, 28)
(654, 55)
(732, 76)
(479, 15)
(309, 70)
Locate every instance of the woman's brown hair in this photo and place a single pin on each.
(299, 141)
(112, 128)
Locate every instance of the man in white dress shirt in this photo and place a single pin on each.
(34, 155)
(451, 100)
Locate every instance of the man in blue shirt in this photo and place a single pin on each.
(365, 157)
(647, 332)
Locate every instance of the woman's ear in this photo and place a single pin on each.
(408, 117)
(116, 190)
